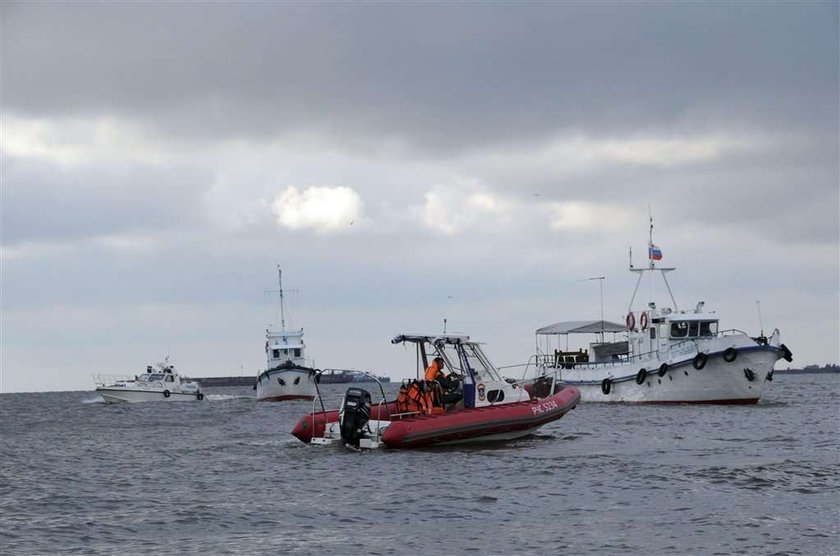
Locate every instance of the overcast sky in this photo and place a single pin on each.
(405, 162)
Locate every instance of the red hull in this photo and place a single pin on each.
(459, 426)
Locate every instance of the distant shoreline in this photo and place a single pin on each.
(225, 381)
(812, 370)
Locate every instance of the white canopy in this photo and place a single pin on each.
(582, 327)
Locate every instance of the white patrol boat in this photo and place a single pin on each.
(287, 377)
(666, 355)
(158, 383)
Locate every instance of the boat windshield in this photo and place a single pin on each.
(708, 328)
(476, 359)
(154, 377)
(694, 329)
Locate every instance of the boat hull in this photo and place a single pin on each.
(283, 384)
(485, 424)
(124, 395)
(741, 380)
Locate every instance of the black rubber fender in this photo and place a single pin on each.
(787, 355)
(749, 373)
(700, 360)
(663, 369)
(199, 396)
(166, 393)
(641, 376)
(730, 355)
(606, 386)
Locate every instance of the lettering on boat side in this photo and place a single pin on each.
(543, 407)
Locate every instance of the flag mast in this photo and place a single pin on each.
(650, 268)
(282, 309)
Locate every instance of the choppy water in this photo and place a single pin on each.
(224, 477)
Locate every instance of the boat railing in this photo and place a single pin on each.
(111, 379)
(549, 361)
(532, 363)
(730, 332)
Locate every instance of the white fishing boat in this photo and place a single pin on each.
(159, 383)
(287, 375)
(661, 354)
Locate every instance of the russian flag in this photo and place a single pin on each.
(654, 253)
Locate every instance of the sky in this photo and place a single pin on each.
(405, 163)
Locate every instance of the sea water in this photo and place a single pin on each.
(224, 476)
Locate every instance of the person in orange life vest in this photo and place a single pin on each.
(449, 384)
(435, 370)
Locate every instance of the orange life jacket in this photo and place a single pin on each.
(420, 396)
(433, 372)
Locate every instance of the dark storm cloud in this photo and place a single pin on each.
(432, 76)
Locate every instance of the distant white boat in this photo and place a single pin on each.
(664, 356)
(287, 377)
(158, 383)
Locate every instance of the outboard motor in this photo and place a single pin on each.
(355, 414)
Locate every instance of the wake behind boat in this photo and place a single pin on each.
(472, 404)
(287, 377)
(667, 356)
(160, 383)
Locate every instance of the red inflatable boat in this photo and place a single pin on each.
(472, 404)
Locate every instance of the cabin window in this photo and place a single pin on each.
(652, 333)
(275, 353)
(495, 396)
(169, 378)
(708, 328)
(679, 329)
(297, 352)
(692, 329)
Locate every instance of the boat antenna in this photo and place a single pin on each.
(282, 309)
(760, 322)
(446, 306)
(601, 287)
(650, 240)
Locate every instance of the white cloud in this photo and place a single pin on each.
(74, 142)
(450, 209)
(664, 152)
(321, 208)
(582, 215)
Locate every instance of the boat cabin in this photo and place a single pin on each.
(282, 346)
(163, 373)
(655, 331)
(479, 381)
